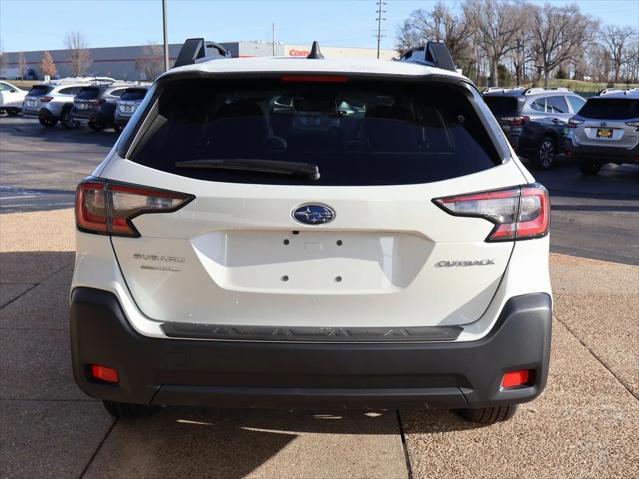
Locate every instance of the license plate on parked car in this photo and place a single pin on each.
(604, 132)
(81, 106)
(127, 108)
(32, 102)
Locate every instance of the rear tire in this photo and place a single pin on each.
(67, 120)
(125, 410)
(488, 415)
(546, 152)
(47, 122)
(588, 167)
(95, 126)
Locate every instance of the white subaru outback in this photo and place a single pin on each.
(312, 233)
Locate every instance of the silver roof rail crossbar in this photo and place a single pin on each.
(195, 50)
(625, 91)
(491, 89)
(433, 54)
(538, 90)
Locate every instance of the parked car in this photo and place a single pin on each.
(606, 130)
(534, 119)
(95, 104)
(233, 254)
(52, 102)
(126, 105)
(11, 98)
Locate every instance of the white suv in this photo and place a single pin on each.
(277, 232)
(606, 130)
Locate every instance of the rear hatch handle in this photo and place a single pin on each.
(293, 168)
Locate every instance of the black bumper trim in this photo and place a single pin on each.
(309, 375)
(45, 114)
(287, 333)
(607, 153)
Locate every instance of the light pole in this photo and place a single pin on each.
(164, 29)
(380, 14)
(273, 37)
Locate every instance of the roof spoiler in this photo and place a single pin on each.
(195, 49)
(433, 54)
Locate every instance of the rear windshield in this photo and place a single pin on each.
(133, 94)
(610, 108)
(88, 93)
(39, 90)
(501, 105)
(357, 133)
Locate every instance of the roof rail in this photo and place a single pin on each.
(625, 91)
(195, 50)
(537, 90)
(433, 54)
(502, 89)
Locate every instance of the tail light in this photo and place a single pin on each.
(517, 120)
(518, 213)
(104, 207)
(574, 123)
(46, 99)
(633, 123)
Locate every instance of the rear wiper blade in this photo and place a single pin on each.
(293, 168)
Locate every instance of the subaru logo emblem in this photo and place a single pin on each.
(313, 214)
(603, 123)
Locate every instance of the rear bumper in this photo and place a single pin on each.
(607, 153)
(84, 116)
(309, 374)
(119, 119)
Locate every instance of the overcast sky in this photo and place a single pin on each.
(27, 25)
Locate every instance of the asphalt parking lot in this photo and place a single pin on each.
(584, 425)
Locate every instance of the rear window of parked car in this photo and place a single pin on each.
(88, 93)
(71, 90)
(610, 108)
(133, 94)
(556, 104)
(39, 90)
(576, 103)
(357, 132)
(501, 105)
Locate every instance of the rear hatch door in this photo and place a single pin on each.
(257, 248)
(605, 122)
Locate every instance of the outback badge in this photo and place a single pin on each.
(313, 214)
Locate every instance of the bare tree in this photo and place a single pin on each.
(559, 35)
(440, 25)
(77, 45)
(598, 63)
(616, 41)
(47, 65)
(22, 64)
(521, 54)
(633, 64)
(496, 24)
(151, 63)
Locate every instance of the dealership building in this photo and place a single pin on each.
(120, 62)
